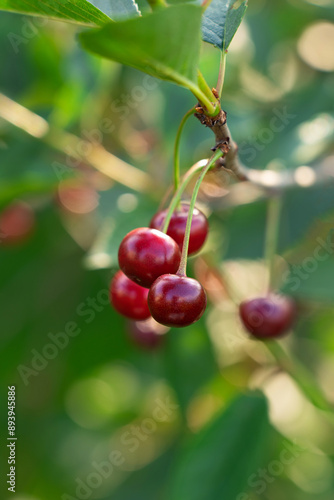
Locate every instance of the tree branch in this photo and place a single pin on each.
(78, 149)
(303, 176)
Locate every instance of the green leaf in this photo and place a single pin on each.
(183, 352)
(117, 9)
(78, 11)
(164, 44)
(221, 21)
(220, 459)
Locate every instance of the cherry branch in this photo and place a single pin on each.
(303, 176)
(94, 154)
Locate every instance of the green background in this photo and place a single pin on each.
(75, 410)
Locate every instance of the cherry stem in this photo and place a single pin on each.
(177, 148)
(204, 87)
(221, 74)
(177, 195)
(272, 232)
(184, 256)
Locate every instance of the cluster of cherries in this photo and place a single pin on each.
(150, 289)
(150, 283)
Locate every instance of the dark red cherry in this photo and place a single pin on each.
(268, 317)
(128, 298)
(17, 222)
(176, 300)
(145, 254)
(177, 227)
(147, 334)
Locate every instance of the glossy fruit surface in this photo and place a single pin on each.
(128, 298)
(268, 317)
(145, 254)
(177, 227)
(17, 222)
(176, 300)
(147, 334)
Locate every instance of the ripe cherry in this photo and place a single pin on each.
(145, 254)
(177, 227)
(128, 298)
(17, 222)
(268, 317)
(147, 334)
(176, 300)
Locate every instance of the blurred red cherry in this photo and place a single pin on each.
(17, 222)
(147, 334)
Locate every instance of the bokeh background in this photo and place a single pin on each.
(78, 400)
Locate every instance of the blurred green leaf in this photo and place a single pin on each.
(220, 459)
(78, 11)
(164, 44)
(221, 21)
(184, 351)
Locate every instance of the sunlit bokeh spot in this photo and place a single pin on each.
(242, 43)
(100, 260)
(315, 46)
(305, 176)
(125, 384)
(316, 130)
(91, 402)
(127, 202)
(313, 138)
(259, 86)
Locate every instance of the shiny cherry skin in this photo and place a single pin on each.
(176, 300)
(177, 226)
(148, 334)
(268, 317)
(17, 222)
(145, 254)
(128, 298)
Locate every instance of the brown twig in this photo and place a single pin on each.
(302, 176)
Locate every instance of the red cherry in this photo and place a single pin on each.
(128, 298)
(147, 334)
(268, 317)
(145, 254)
(17, 222)
(177, 226)
(176, 300)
